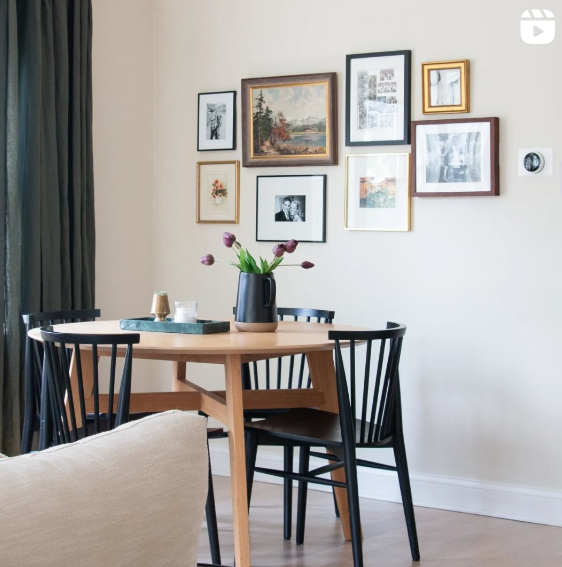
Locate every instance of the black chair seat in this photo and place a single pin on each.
(312, 427)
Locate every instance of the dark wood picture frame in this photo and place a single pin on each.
(494, 159)
(295, 226)
(229, 144)
(407, 54)
(330, 157)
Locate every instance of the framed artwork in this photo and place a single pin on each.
(216, 121)
(291, 206)
(218, 193)
(377, 192)
(289, 120)
(455, 157)
(377, 106)
(446, 87)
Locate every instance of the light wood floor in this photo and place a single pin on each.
(447, 539)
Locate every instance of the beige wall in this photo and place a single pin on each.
(477, 280)
(123, 163)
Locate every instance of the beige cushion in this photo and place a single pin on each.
(132, 496)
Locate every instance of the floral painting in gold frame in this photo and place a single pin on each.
(218, 193)
(446, 87)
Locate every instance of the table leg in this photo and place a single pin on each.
(179, 372)
(323, 376)
(235, 412)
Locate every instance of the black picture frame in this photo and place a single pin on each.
(355, 108)
(309, 191)
(228, 99)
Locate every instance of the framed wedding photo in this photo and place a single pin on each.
(454, 158)
(377, 106)
(216, 121)
(377, 192)
(218, 193)
(291, 206)
(446, 87)
(289, 120)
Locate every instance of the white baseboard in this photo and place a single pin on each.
(472, 497)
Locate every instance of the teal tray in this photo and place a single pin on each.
(202, 327)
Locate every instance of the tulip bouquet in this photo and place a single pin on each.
(247, 263)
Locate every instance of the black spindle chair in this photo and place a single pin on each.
(65, 417)
(371, 420)
(34, 365)
(60, 408)
(296, 376)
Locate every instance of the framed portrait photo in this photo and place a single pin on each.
(446, 87)
(377, 106)
(289, 120)
(218, 193)
(216, 121)
(455, 158)
(291, 206)
(377, 192)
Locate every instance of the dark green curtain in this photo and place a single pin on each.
(49, 257)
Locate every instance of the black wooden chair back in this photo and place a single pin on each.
(295, 375)
(34, 353)
(369, 389)
(61, 404)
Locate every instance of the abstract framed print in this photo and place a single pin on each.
(218, 193)
(216, 121)
(446, 87)
(290, 120)
(454, 158)
(377, 110)
(291, 206)
(377, 195)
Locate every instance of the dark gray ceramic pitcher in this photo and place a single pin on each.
(256, 310)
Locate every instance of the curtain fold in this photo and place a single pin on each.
(53, 187)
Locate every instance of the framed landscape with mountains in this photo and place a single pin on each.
(289, 120)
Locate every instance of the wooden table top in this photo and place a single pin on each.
(290, 336)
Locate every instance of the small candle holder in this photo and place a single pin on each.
(160, 306)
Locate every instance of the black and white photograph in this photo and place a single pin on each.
(386, 120)
(455, 157)
(291, 206)
(445, 87)
(216, 121)
(378, 84)
(387, 74)
(377, 195)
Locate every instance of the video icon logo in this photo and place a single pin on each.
(537, 26)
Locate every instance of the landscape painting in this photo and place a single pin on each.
(289, 120)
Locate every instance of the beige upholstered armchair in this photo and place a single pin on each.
(133, 496)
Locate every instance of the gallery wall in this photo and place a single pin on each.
(476, 280)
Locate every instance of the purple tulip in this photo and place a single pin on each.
(307, 265)
(291, 245)
(279, 250)
(229, 239)
(207, 260)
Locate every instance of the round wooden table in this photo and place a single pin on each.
(231, 350)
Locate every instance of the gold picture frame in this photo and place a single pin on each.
(218, 191)
(446, 87)
(377, 192)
